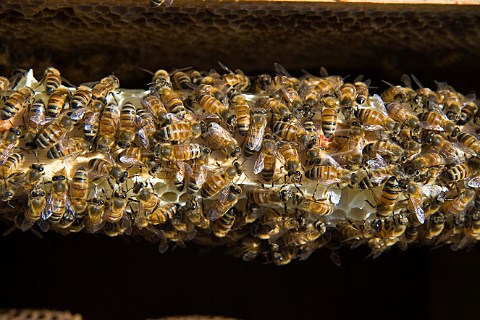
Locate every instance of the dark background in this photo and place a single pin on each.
(104, 278)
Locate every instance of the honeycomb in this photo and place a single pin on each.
(91, 39)
(272, 168)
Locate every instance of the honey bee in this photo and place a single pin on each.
(436, 121)
(223, 225)
(228, 199)
(11, 165)
(181, 131)
(152, 207)
(329, 121)
(94, 218)
(52, 79)
(451, 100)
(128, 126)
(292, 161)
(100, 168)
(153, 103)
(272, 196)
(470, 142)
(242, 111)
(4, 83)
(434, 226)
(374, 177)
(219, 180)
(398, 94)
(54, 131)
(373, 118)
(254, 137)
(388, 199)
(221, 138)
(472, 223)
(461, 172)
(347, 94)
(78, 191)
(17, 102)
(181, 152)
(81, 98)
(116, 208)
(291, 132)
(197, 173)
(280, 111)
(36, 206)
(133, 156)
(266, 160)
(469, 110)
(102, 89)
(237, 79)
(215, 107)
(422, 163)
(382, 148)
(362, 92)
(195, 214)
(58, 200)
(172, 102)
(283, 255)
(458, 204)
(36, 120)
(161, 78)
(69, 148)
(33, 176)
(399, 113)
(444, 147)
(425, 98)
(9, 140)
(309, 233)
(415, 202)
(315, 207)
(91, 125)
(181, 80)
(327, 172)
(107, 128)
(56, 101)
(248, 248)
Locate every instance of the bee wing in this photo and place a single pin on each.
(127, 224)
(180, 174)
(130, 161)
(259, 163)
(215, 211)
(474, 182)
(431, 191)
(43, 225)
(91, 119)
(78, 114)
(328, 160)
(280, 70)
(47, 212)
(26, 224)
(224, 67)
(140, 217)
(406, 80)
(377, 163)
(143, 137)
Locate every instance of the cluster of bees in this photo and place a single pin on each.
(269, 166)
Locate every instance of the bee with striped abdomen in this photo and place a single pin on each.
(11, 165)
(9, 140)
(228, 199)
(223, 225)
(78, 191)
(17, 102)
(72, 147)
(81, 98)
(181, 131)
(256, 132)
(242, 111)
(267, 158)
(52, 79)
(54, 131)
(36, 205)
(218, 137)
(172, 102)
(107, 128)
(388, 199)
(57, 200)
(220, 179)
(128, 125)
(56, 102)
(180, 152)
